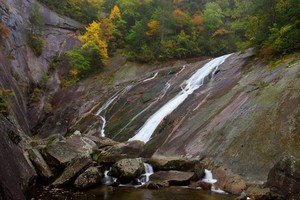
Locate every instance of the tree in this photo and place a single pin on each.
(154, 28)
(93, 40)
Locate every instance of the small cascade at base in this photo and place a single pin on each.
(144, 178)
(208, 178)
(108, 180)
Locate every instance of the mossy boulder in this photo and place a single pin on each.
(127, 169)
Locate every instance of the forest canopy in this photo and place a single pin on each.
(159, 30)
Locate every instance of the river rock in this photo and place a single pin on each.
(61, 153)
(258, 192)
(73, 170)
(284, 178)
(228, 182)
(40, 164)
(170, 163)
(202, 184)
(173, 177)
(130, 149)
(127, 169)
(90, 177)
(156, 184)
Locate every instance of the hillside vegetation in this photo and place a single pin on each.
(171, 29)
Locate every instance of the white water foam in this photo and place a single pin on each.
(188, 87)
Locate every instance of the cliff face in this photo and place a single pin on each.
(20, 72)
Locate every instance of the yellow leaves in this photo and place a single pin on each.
(115, 13)
(73, 72)
(154, 28)
(94, 38)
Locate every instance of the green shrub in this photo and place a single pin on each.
(36, 43)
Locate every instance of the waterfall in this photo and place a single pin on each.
(108, 103)
(188, 87)
(108, 180)
(153, 77)
(144, 178)
(208, 178)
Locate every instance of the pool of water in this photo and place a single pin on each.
(125, 193)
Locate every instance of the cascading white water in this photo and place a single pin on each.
(107, 180)
(108, 103)
(151, 78)
(188, 87)
(208, 178)
(162, 94)
(144, 178)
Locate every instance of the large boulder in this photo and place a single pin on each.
(228, 182)
(77, 166)
(127, 169)
(61, 153)
(90, 177)
(173, 177)
(284, 178)
(172, 163)
(130, 149)
(39, 163)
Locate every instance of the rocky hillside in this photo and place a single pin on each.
(248, 111)
(21, 72)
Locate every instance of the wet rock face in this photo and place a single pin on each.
(284, 177)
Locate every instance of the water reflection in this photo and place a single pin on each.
(125, 193)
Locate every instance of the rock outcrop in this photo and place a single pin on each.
(284, 178)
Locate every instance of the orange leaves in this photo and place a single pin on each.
(154, 28)
(180, 17)
(3, 30)
(73, 72)
(220, 32)
(197, 21)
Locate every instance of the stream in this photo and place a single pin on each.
(127, 193)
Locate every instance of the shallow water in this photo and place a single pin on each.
(125, 193)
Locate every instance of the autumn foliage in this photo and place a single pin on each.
(4, 31)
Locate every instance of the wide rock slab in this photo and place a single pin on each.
(77, 166)
(61, 153)
(173, 177)
(284, 178)
(171, 163)
(131, 149)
